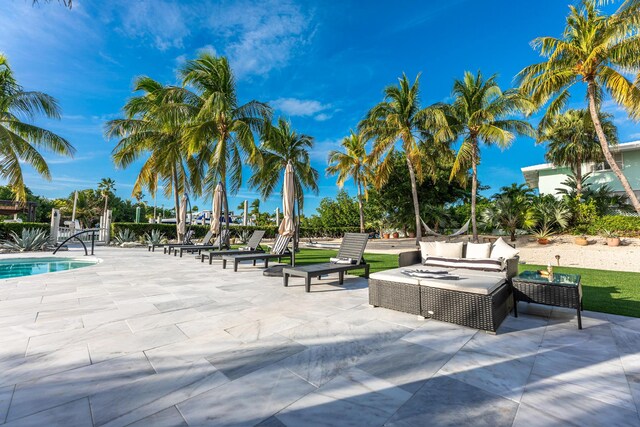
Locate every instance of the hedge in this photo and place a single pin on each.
(169, 230)
(625, 226)
(17, 227)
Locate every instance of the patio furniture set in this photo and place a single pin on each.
(469, 284)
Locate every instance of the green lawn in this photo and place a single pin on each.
(606, 291)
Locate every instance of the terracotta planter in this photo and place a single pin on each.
(385, 235)
(613, 241)
(412, 235)
(395, 235)
(581, 241)
(543, 241)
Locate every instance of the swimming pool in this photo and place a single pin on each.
(17, 267)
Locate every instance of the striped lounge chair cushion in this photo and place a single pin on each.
(483, 264)
(280, 245)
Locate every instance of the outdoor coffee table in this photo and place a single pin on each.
(559, 290)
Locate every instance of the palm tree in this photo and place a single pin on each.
(399, 118)
(480, 114)
(353, 163)
(222, 131)
(20, 141)
(600, 51)
(572, 140)
(106, 186)
(281, 145)
(154, 126)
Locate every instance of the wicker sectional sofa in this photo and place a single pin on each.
(480, 299)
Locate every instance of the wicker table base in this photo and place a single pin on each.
(552, 293)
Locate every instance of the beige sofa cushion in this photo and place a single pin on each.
(475, 282)
(449, 250)
(396, 275)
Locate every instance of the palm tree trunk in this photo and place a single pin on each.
(416, 205)
(361, 209)
(579, 177)
(106, 204)
(176, 200)
(474, 189)
(591, 90)
(225, 203)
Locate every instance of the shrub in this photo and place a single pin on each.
(625, 226)
(155, 238)
(125, 236)
(29, 239)
(7, 227)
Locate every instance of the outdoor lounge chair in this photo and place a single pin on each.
(224, 236)
(350, 257)
(278, 251)
(187, 238)
(252, 246)
(187, 241)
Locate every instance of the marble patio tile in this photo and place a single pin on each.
(247, 400)
(223, 306)
(13, 349)
(524, 323)
(315, 410)
(574, 406)
(149, 395)
(444, 401)
(627, 339)
(76, 413)
(241, 360)
(54, 390)
(322, 332)
(531, 417)
(365, 313)
(509, 344)
(172, 356)
(169, 417)
(441, 336)
(493, 372)
(115, 345)
(17, 319)
(28, 330)
(271, 422)
(163, 319)
(5, 398)
(122, 312)
(50, 342)
(404, 364)
(178, 304)
(264, 327)
(21, 369)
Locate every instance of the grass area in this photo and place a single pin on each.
(606, 291)
(615, 292)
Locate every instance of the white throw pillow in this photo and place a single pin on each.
(502, 249)
(427, 249)
(478, 250)
(449, 250)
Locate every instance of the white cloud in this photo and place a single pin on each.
(321, 149)
(300, 107)
(322, 117)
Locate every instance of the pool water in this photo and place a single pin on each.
(17, 267)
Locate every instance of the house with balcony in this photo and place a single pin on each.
(547, 178)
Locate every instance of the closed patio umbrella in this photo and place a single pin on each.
(182, 218)
(216, 211)
(288, 226)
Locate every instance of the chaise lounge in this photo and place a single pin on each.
(350, 257)
(252, 247)
(278, 251)
(475, 291)
(224, 237)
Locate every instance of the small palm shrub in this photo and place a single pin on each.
(154, 238)
(125, 236)
(30, 239)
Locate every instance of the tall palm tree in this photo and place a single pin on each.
(480, 114)
(398, 117)
(280, 145)
(106, 186)
(600, 51)
(354, 163)
(572, 140)
(19, 140)
(154, 127)
(221, 133)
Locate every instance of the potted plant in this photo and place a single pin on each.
(395, 235)
(543, 234)
(385, 235)
(581, 240)
(612, 238)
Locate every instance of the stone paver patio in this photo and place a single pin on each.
(147, 339)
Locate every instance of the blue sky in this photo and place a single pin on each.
(321, 64)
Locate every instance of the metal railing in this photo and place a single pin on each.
(92, 231)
